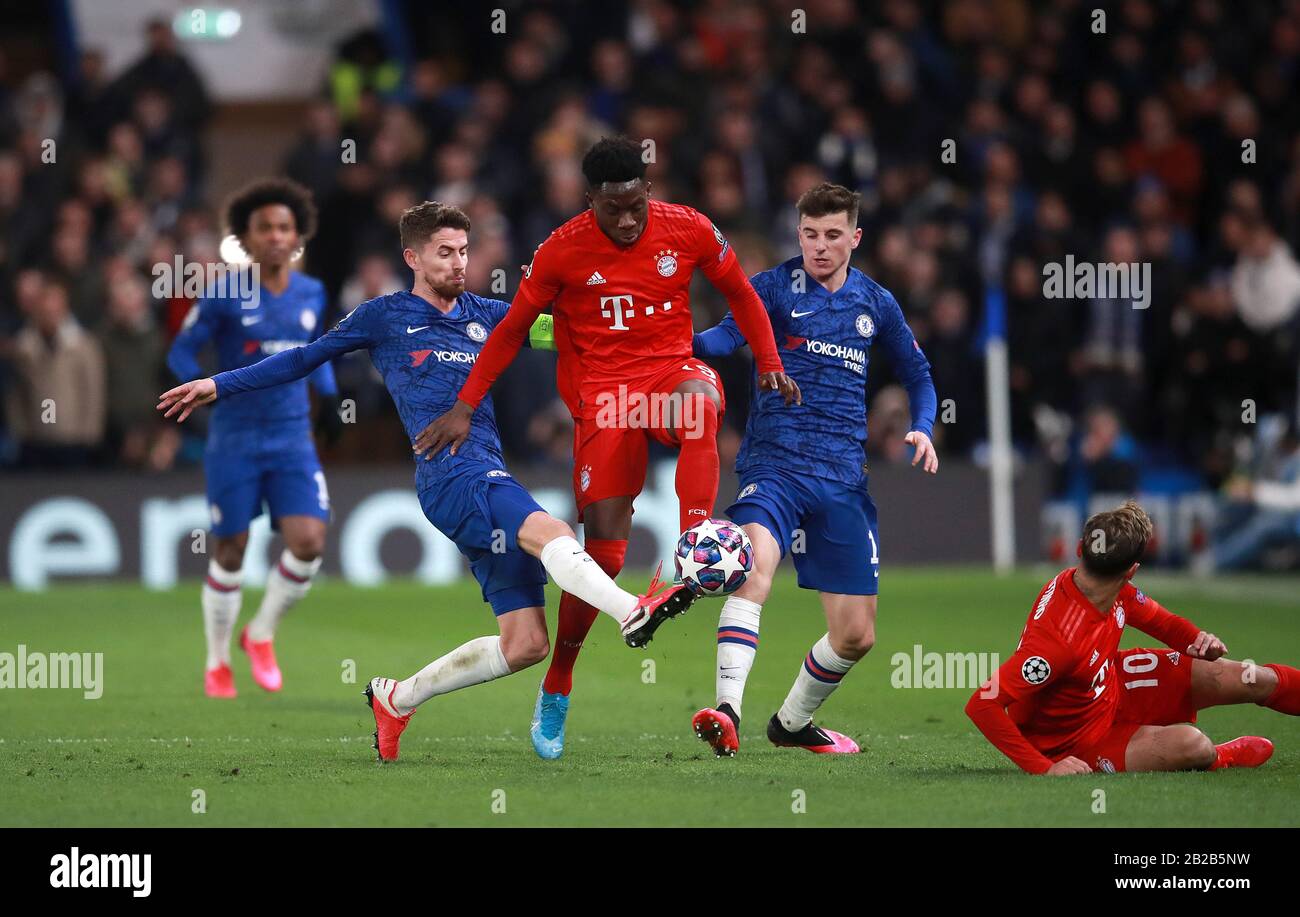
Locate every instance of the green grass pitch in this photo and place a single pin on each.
(302, 757)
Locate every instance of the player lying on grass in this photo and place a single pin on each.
(423, 343)
(618, 279)
(803, 480)
(1069, 701)
(259, 443)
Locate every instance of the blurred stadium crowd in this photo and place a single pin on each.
(1125, 146)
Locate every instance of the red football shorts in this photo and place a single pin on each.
(1157, 691)
(611, 435)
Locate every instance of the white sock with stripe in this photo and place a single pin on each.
(220, 599)
(577, 573)
(818, 678)
(286, 584)
(737, 646)
(470, 663)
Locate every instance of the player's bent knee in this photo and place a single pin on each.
(539, 529)
(525, 650)
(854, 644)
(1198, 749)
(229, 553)
(307, 548)
(757, 587)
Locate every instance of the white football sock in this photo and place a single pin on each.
(470, 663)
(737, 646)
(577, 573)
(286, 584)
(818, 677)
(221, 599)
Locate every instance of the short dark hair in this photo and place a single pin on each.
(613, 159)
(1115, 540)
(420, 222)
(826, 198)
(263, 193)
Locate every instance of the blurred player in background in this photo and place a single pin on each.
(260, 448)
(1069, 701)
(803, 478)
(423, 342)
(618, 276)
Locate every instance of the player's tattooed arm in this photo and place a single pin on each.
(451, 429)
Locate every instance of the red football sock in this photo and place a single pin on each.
(576, 617)
(1286, 696)
(697, 465)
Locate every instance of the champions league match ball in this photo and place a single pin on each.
(714, 557)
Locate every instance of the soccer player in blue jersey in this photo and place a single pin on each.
(802, 471)
(260, 447)
(424, 342)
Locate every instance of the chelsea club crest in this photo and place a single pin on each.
(476, 332)
(866, 327)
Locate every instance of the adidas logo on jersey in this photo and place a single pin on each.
(594, 279)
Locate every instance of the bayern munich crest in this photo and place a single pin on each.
(666, 263)
(476, 332)
(584, 478)
(866, 327)
(1119, 617)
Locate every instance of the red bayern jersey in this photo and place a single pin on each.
(623, 313)
(1059, 689)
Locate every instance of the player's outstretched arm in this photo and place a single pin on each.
(286, 366)
(750, 316)
(187, 396)
(1028, 671)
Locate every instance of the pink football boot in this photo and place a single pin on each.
(262, 658)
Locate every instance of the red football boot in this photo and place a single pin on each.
(389, 724)
(219, 682)
(717, 729)
(652, 610)
(1246, 751)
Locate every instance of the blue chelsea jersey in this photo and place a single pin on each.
(244, 331)
(825, 341)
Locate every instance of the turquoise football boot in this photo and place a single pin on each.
(547, 728)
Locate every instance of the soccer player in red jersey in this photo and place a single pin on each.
(617, 278)
(1070, 701)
